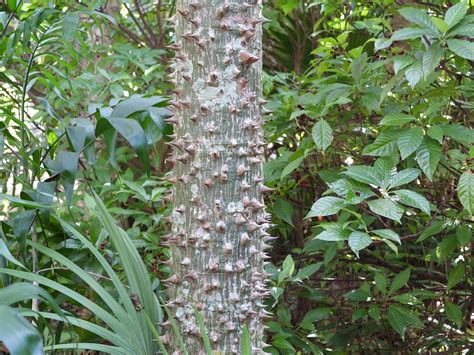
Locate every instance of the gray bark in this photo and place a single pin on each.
(219, 223)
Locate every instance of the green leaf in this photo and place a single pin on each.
(358, 241)
(413, 199)
(385, 145)
(382, 43)
(135, 136)
(396, 119)
(386, 208)
(431, 59)
(358, 66)
(462, 48)
(414, 73)
(333, 233)
(7, 255)
(409, 141)
(70, 25)
(291, 166)
(18, 334)
(135, 104)
(399, 281)
(454, 313)
(400, 318)
(459, 133)
(403, 177)
(465, 191)
(401, 62)
(288, 268)
(420, 18)
(428, 156)
(463, 234)
(456, 275)
(21, 202)
(283, 210)
(387, 234)
(408, 33)
(433, 229)
(455, 14)
(203, 331)
(381, 282)
(365, 174)
(246, 343)
(436, 132)
(322, 135)
(464, 29)
(326, 206)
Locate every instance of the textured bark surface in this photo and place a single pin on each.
(219, 223)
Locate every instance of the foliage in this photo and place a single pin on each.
(370, 154)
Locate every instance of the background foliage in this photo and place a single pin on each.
(370, 154)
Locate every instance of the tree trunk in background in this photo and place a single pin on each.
(219, 223)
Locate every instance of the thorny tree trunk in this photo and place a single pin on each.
(219, 223)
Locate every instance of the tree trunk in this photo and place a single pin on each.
(219, 223)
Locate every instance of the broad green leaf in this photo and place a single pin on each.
(435, 228)
(70, 25)
(462, 48)
(358, 66)
(400, 318)
(455, 14)
(7, 255)
(322, 135)
(459, 133)
(382, 43)
(333, 233)
(409, 141)
(408, 33)
(385, 145)
(358, 241)
(135, 104)
(465, 191)
(386, 208)
(326, 206)
(431, 59)
(365, 174)
(464, 29)
(454, 313)
(381, 282)
(403, 177)
(436, 132)
(387, 234)
(399, 281)
(413, 199)
(396, 119)
(135, 136)
(463, 234)
(291, 166)
(288, 268)
(421, 18)
(414, 73)
(428, 156)
(18, 334)
(401, 62)
(456, 275)
(283, 210)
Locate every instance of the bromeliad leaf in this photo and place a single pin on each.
(358, 241)
(322, 135)
(465, 191)
(428, 156)
(409, 141)
(386, 208)
(413, 199)
(403, 177)
(326, 206)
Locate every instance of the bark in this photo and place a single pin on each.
(219, 223)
